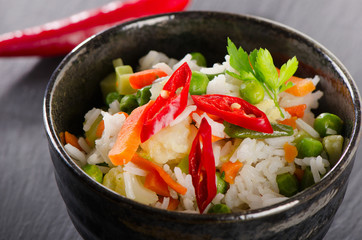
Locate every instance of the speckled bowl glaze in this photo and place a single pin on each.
(99, 213)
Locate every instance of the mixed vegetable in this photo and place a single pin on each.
(171, 126)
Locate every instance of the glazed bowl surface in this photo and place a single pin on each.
(99, 213)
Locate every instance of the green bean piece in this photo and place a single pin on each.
(221, 185)
(301, 134)
(94, 172)
(219, 208)
(143, 95)
(251, 91)
(91, 134)
(307, 179)
(199, 58)
(328, 124)
(108, 85)
(333, 145)
(309, 147)
(117, 62)
(279, 130)
(112, 96)
(287, 184)
(198, 83)
(184, 165)
(122, 78)
(128, 103)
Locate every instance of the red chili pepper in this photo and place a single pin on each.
(202, 166)
(60, 37)
(234, 110)
(168, 105)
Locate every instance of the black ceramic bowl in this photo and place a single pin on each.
(99, 213)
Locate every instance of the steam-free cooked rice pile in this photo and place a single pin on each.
(249, 168)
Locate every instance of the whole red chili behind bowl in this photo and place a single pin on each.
(61, 36)
(302, 215)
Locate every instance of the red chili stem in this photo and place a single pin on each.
(61, 36)
(202, 166)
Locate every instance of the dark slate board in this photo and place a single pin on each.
(31, 206)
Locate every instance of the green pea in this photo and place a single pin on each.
(94, 172)
(112, 96)
(198, 83)
(309, 147)
(287, 184)
(143, 95)
(251, 91)
(328, 124)
(219, 208)
(128, 103)
(199, 58)
(307, 179)
(221, 185)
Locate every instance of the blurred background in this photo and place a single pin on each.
(30, 204)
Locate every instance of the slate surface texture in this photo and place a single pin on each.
(30, 204)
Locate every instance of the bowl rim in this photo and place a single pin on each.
(246, 215)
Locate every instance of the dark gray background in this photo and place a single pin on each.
(30, 204)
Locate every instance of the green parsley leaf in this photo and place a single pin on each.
(287, 70)
(265, 68)
(239, 59)
(259, 65)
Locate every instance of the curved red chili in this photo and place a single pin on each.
(168, 104)
(202, 166)
(61, 36)
(234, 110)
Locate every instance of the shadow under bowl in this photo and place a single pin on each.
(99, 213)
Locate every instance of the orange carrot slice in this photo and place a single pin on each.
(296, 111)
(231, 169)
(72, 140)
(290, 151)
(154, 182)
(62, 137)
(301, 87)
(100, 129)
(144, 78)
(128, 138)
(290, 122)
(150, 166)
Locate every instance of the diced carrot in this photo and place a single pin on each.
(144, 78)
(173, 204)
(72, 140)
(100, 129)
(301, 87)
(231, 169)
(155, 183)
(124, 113)
(215, 138)
(62, 138)
(290, 122)
(150, 166)
(296, 111)
(299, 173)
(290, 151)
(128, 138)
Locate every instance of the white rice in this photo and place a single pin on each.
(90, 117)
(75, 153)
(255, 184)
